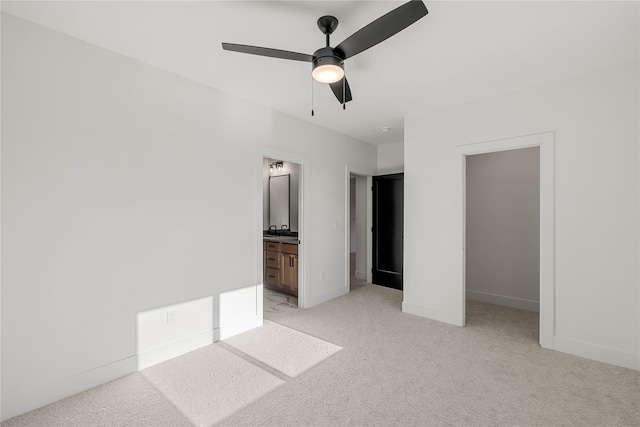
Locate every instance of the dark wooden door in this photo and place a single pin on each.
(388, 208)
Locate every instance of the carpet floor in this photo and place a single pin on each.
(394, 369)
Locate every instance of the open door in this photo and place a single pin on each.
(388, 209)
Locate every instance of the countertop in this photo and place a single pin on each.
(282, 239)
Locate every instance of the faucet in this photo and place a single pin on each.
(284, 227)
(274, 228)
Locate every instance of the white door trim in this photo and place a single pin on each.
(547, 220)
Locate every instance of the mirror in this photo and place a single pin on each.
(279, 201)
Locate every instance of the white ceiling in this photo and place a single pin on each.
(459, 52)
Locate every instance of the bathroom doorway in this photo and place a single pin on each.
(281, 236)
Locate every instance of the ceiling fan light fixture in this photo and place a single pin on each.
(327, 69)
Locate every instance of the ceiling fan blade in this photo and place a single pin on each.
(265, 51)
(382, 28)
(338, 90)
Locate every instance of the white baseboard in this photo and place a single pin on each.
(431, 313)
(174, 349)
(158, 339)
(227, 331)
(598, 353)
(519, 303)
(37, 397)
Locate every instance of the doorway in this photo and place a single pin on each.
(358, 230)
(503, 228)
(503, 235)
(544, 142)
(281, 235)
(388, 220)
(358, 223)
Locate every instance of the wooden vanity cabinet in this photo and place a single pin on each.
(289, 268)
(272, 265)
(272, 246)
(281, 267)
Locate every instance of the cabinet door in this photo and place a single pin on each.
(272, 259)
(289, 273)
(272, 278)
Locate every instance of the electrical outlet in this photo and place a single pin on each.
(171, 317)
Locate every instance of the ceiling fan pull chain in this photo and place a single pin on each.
(312, 112)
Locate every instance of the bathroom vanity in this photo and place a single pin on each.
(281, 264)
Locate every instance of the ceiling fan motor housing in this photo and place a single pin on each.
(325, 60)
(325, 56)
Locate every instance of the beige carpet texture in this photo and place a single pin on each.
(284, 349)
(372, 366)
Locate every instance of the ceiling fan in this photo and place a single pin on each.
(328, 62)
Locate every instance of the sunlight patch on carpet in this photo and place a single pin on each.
(284, 349)
(210, 384)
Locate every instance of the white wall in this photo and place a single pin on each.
(353, 242)
(595, 121)
(265, 192)
(117, 199)
(391, 158)
(503, 228)
(362, 230)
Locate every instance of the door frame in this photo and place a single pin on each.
(303, 192)
(545, 141)
(354, 170)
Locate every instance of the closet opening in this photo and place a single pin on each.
(502, 240)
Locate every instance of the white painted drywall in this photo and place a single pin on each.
(126, 189)
(294, 198)
(161, 333)
(595, 121)
(265, 192)
(362, 232)
(391, 158)
(353, 243)
(503, 228)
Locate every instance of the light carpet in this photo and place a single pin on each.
(210, 384)
(394, 370)
(128, 401)
(284, 349)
